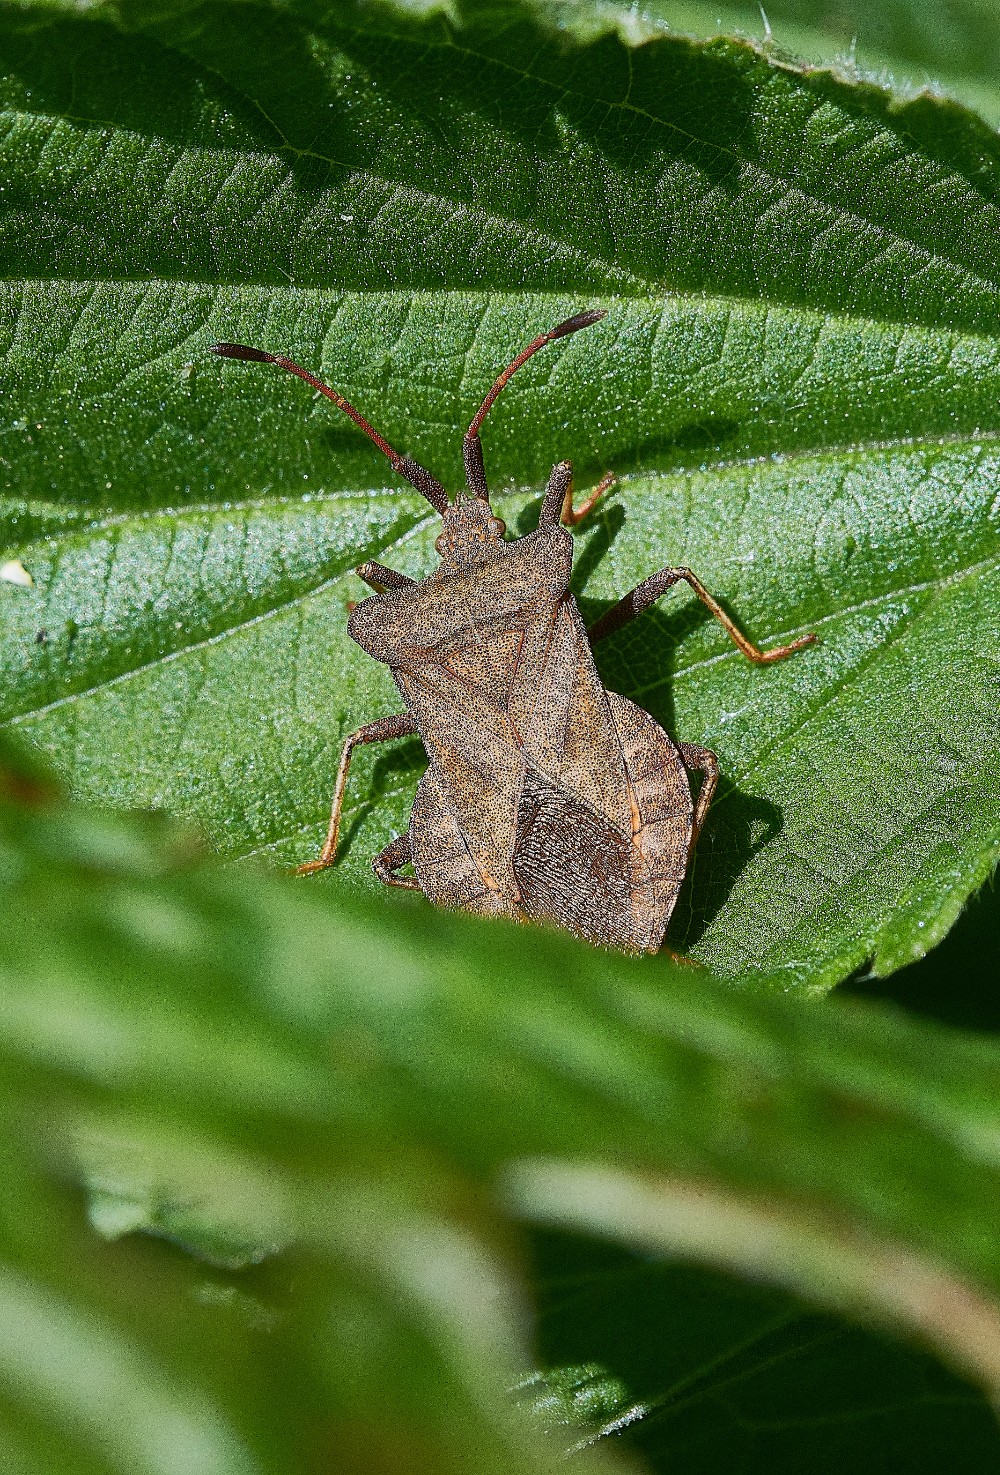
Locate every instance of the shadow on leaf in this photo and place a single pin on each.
(603, 532)
(738, 826)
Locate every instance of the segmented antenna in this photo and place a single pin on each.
(471, 448)
(416, 475)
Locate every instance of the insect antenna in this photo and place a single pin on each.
(472, 450)
(416, 475)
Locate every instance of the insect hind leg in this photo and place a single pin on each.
(703, 761)
(397, 853)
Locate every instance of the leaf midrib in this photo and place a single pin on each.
(932, 587)
(935, 588)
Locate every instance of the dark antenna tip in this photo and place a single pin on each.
(581, 320)
(240, 351)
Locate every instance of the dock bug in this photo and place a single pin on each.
(546, 798)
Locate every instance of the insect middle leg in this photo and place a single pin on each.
(650, 590)
(402, 725)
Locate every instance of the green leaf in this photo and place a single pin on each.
(696, 1363)
(941, 48)
(412, 1104)
(797, 383)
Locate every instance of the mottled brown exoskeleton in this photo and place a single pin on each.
(546, 798)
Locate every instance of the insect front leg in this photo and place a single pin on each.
(402, 725)
(382, 579)
(650, 590)
(557, 504)
(397, 853)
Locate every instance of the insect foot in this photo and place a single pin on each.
(546, 798)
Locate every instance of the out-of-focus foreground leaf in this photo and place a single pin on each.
(146, 1054)
(346, 1122)
(798, 382)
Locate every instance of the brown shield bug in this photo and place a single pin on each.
(546, 798)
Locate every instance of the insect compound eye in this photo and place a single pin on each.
(441, 543)
(497, 526)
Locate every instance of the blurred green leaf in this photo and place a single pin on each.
(797, 383)
(393, 1103)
